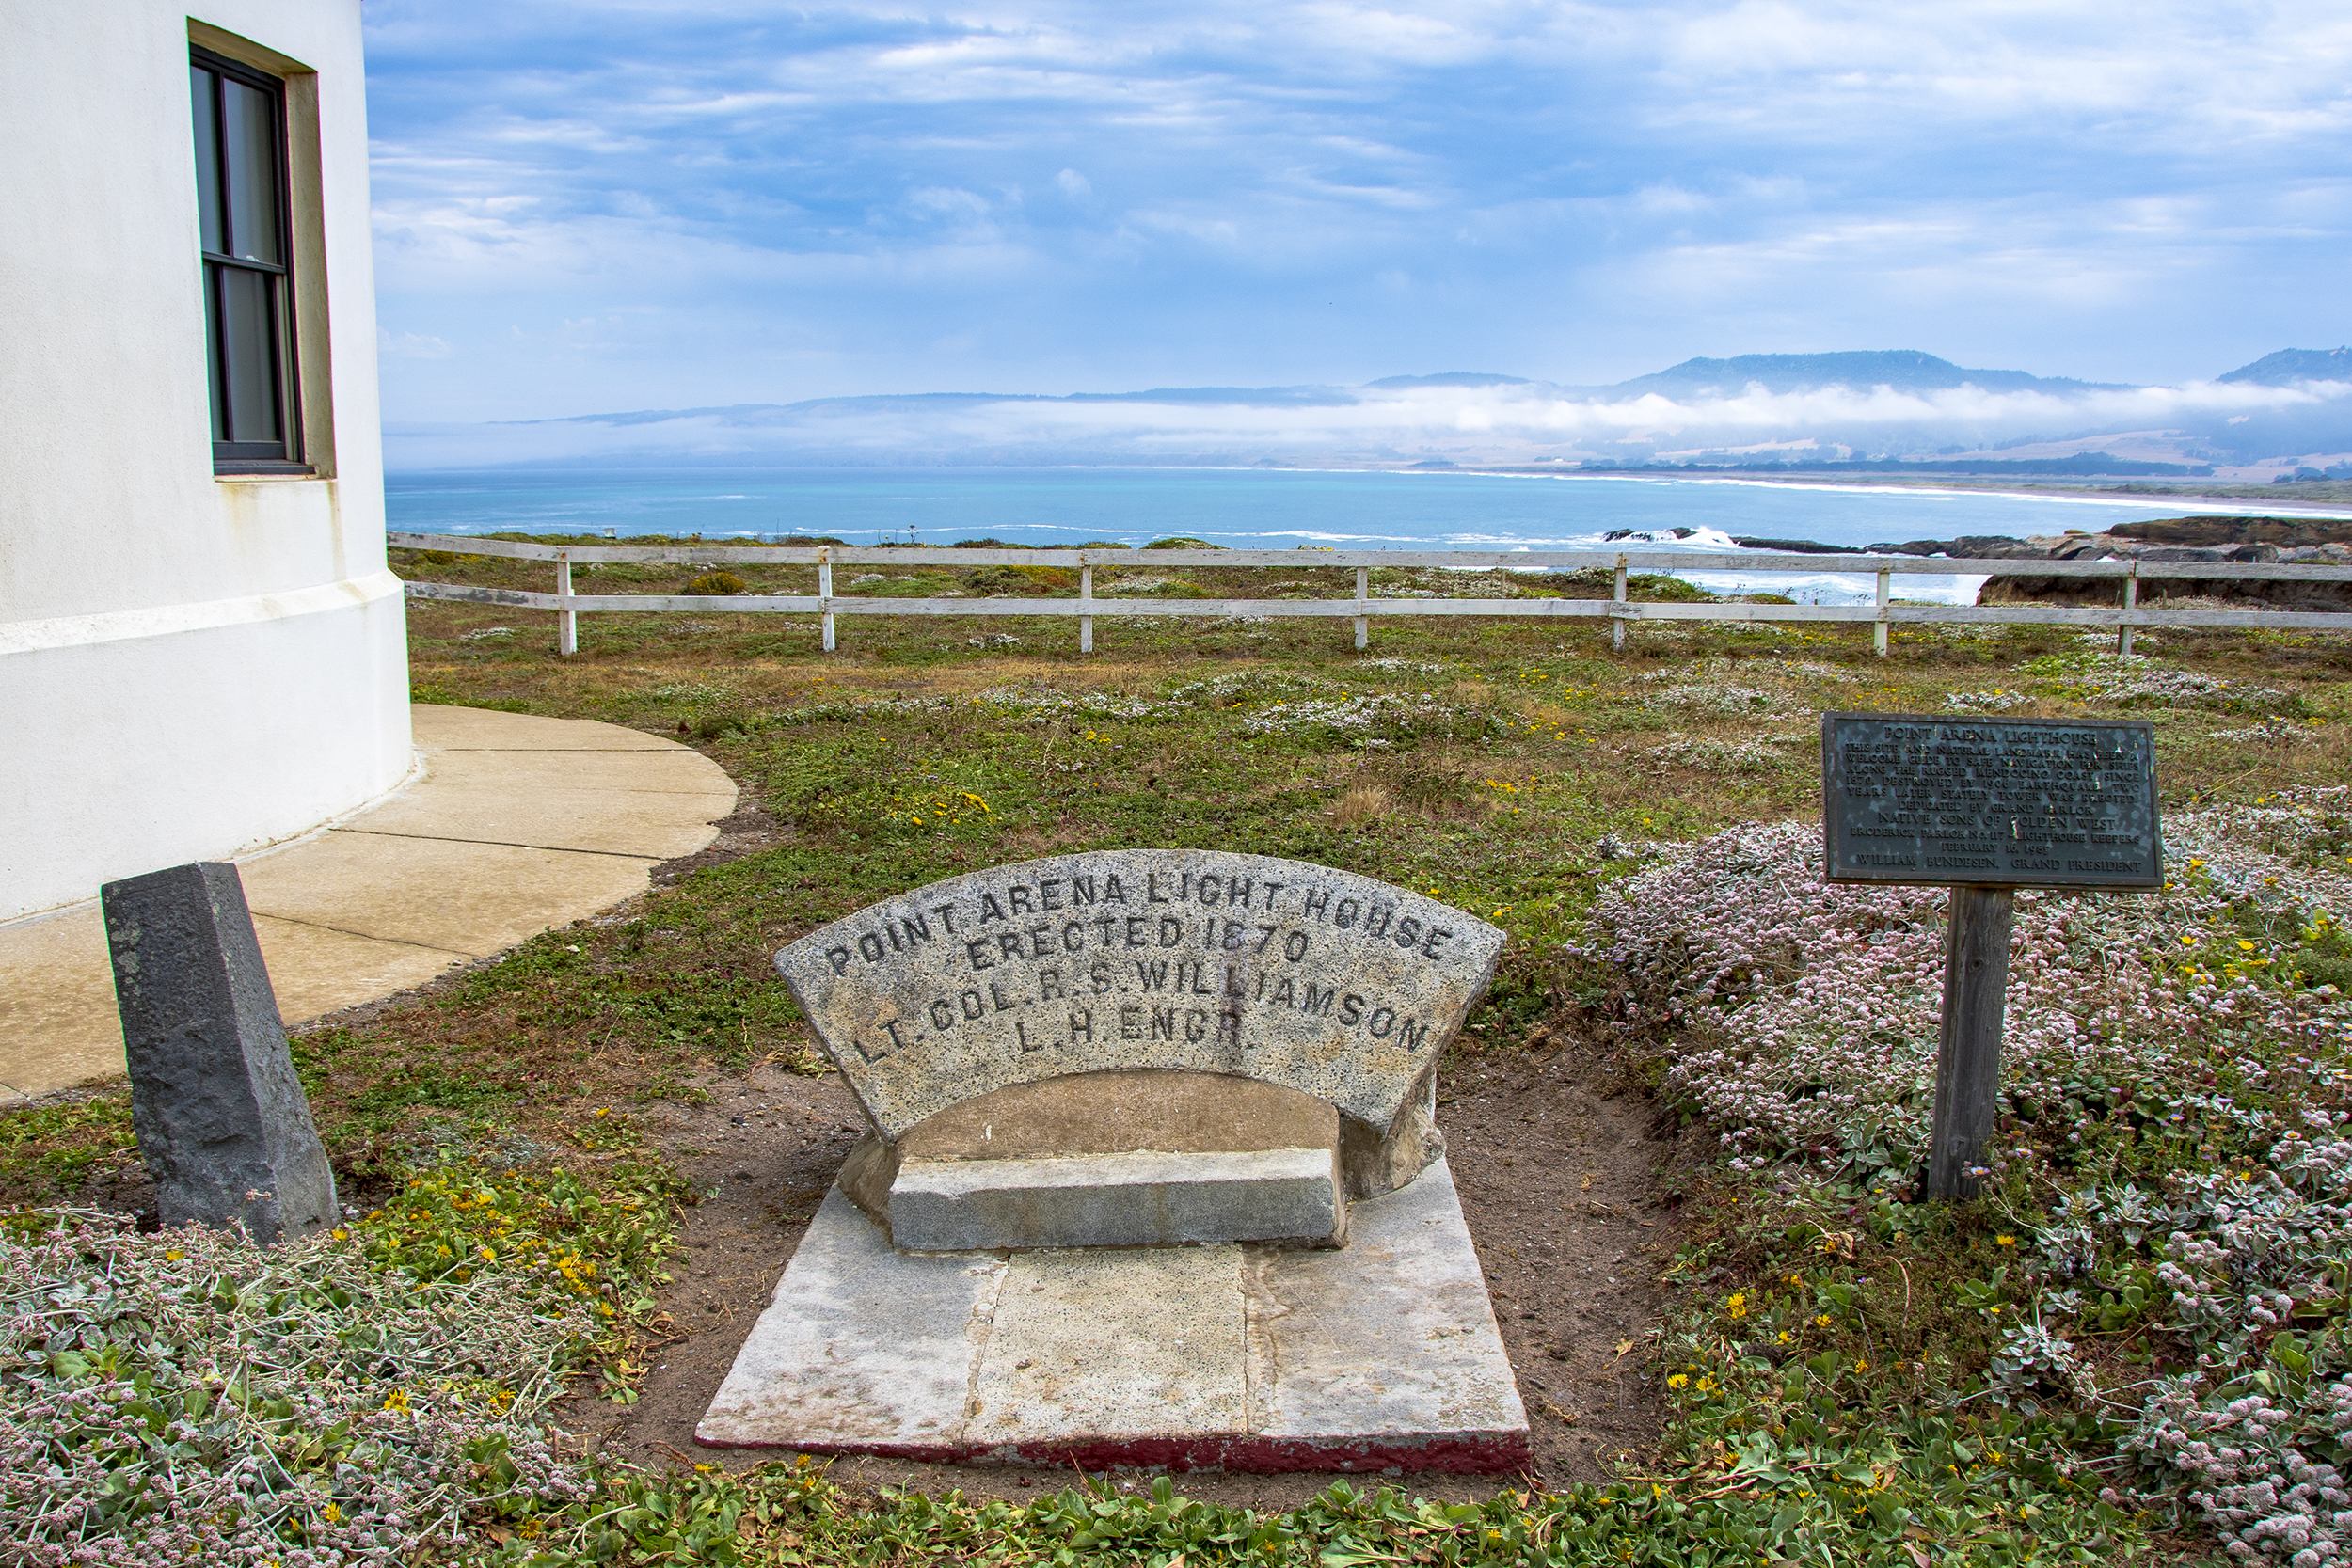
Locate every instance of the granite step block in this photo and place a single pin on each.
(1137, 1199)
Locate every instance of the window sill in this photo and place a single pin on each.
(231, 469)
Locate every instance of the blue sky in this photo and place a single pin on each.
(597, 206)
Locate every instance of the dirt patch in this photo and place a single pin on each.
(746, 832)
(760, 1155)
(1557, 1180)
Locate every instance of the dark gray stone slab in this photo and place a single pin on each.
(221, 1117)
(2014, 802)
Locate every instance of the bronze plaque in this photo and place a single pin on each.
(2016, 802)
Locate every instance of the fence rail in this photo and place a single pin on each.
(2126, 616)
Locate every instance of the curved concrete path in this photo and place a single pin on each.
(514, 825)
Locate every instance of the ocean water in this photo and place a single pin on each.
(1255, 509)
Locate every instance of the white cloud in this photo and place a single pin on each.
(409, 346)
(1480, 423)
(1575, 189)
(949, 203)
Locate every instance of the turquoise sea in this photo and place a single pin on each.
(1247, 508)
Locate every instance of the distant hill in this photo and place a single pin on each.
(744, 414)
(1905, 369)
(1451, 378)
(1752, 412)
(2291, 365)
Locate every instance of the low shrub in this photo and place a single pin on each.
(1024, 581)
(190, 1397)
(2153, 1287)
(2135, 680)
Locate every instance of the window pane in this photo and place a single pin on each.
(250, 124)
(211, 350)
(200, 91)
(249, 352)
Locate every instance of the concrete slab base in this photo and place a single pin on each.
(1380, 1356)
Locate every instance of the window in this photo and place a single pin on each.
(241, 186)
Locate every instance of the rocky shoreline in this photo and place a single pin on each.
(2303, 541)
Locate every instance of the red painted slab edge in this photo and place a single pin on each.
(1468, 1453)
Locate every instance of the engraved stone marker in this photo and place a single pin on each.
(1121, 1104)
(1189, 961)
(1987, 805)
(1319, 980)
(220, 1116)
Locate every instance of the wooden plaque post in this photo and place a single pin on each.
(1985, 807)
(1968, 1052)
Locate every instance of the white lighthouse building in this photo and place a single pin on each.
(202, 651)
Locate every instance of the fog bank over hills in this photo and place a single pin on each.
(1883, 408)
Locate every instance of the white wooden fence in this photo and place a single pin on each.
(2126, 615)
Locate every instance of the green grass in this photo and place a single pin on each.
(1515, 768)
(56, 1147)
(1860, 1513)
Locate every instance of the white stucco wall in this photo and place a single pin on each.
(189, 666)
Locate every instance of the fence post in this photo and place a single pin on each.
(2131, 602)
(566, 618)
(1363, 594)
(1877, 633)
(1616, 612)
(824, 590)
(1086, 607)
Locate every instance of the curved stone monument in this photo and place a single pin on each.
(1136, 1040)
(1153, 1178)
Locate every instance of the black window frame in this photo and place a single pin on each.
(284, 453)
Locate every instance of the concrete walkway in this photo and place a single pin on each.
(515, 824)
